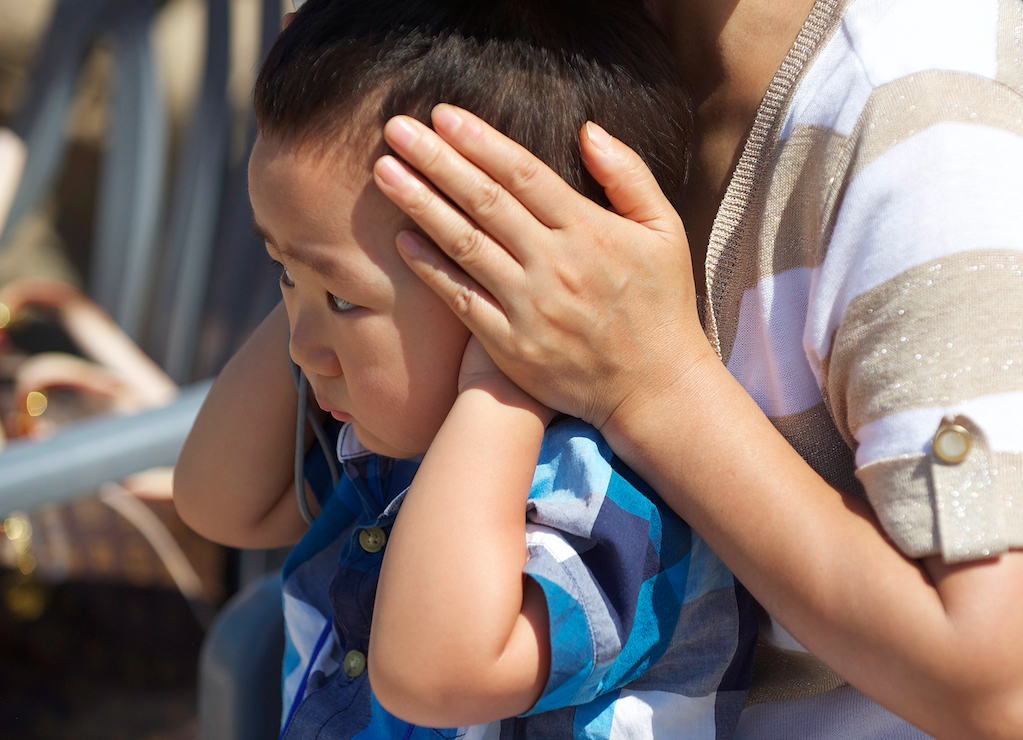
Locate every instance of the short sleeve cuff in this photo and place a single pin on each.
(959, 498)
(584, 641)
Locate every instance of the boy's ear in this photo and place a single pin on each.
(286, 20)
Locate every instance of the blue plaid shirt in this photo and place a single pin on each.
(651, 635)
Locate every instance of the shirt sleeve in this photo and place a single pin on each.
(626, 581)
(918, 310)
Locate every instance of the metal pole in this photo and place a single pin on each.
(80, 457)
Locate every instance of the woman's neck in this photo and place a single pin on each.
(729, 51)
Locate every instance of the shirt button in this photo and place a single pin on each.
(372, 539)
(952, 443)
(354, 664)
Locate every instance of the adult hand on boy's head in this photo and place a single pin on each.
(590, 311)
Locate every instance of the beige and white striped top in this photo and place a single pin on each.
(866, 267)
(865, 271)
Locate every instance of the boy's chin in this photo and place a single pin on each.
(373, 443)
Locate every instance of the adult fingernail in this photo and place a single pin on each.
(409, 243)
(400, 132)
(390, 171)
(446, 118)
(597, 136)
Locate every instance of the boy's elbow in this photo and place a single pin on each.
(440, 694)
(998, 716)
(414, 694)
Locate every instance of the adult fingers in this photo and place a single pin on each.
(485, 201)
(477, 308)
(627, 181)
(487, 262)
(525, 177)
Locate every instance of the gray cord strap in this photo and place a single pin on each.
(307, 414)
(303, 402)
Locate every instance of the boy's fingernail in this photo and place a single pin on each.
(597, 136)
(400, 132)
(391, 172)
(409, 243)
(446, 118)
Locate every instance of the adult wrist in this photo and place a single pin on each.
(680, 391)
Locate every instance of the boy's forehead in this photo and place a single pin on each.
(299, 192)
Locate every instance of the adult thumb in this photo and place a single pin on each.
(627, 181)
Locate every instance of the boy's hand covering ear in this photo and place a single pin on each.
(479, 371)
(586, 309)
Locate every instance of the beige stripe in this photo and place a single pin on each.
(727, 248)
(1010, 43)
(936, 335)
(804, 184)
(796, 203)
(971, 514)
(911, 104)
(780, 674)
(813, 435)
(902, 493)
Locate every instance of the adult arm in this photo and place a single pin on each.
(459, 636)
(584, 309)
(233, 482)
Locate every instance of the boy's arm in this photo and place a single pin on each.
(459, 635)
(233, 482)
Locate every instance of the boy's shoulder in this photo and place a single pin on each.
(634, 595)
(580, 486)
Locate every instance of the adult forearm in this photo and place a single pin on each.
(453, 639)
(233, 480)
(946, 654)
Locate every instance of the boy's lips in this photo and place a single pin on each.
(337, 414)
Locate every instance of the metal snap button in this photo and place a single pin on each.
(372, 539)
(354, 663)
(952, 443)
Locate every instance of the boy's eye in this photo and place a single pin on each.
(340, 304)
(285, 275)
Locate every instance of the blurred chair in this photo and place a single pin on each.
(240, 667)
(167, 293)
(157, 289)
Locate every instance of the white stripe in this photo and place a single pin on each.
(896, 39)
(881, 41)
(910, 432)
(893, 218)
(551, 540)
(641, 715)
(768, 357)
(834, 91)
(304, 625)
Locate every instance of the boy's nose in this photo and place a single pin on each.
(309, 351)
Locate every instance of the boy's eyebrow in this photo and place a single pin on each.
(312, 261)
(262, 233)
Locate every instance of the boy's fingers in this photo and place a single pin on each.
(476, 253)
(628, 182)
(477, 309)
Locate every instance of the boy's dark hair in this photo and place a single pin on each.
(534, 69)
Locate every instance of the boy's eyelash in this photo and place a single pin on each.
(282, 272)
(340, 304)
(337, 304)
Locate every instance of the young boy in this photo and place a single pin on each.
(481, 566)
